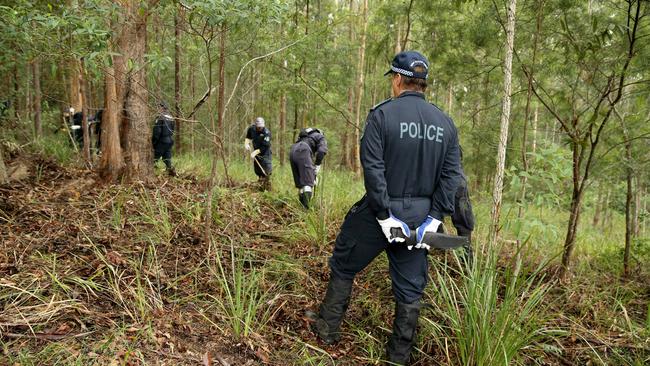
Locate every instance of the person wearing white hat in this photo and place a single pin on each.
(258, 144)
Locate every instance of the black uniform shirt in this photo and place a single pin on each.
(163, 130)
(316, 141)
(410, 149)
(261, 140)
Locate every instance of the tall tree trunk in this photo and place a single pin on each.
(27, 105)
(637, 209)
(645, 209)
(192, 95)
(295, 117)
(398, 37)
(4, 178)
(36, 78)
(177, 76)
(132, 43)
(222, 81)
(480, 169)
(16, 93)
(606, 211)
(628, 209)
(598, 208)
(112, 161)
(585, 146)
(361, 68)
(629, 177)
(346, 149)
(283, 123)
(207, 226)
(572, 227)
(529, 95)
(535, 117)
(84, 113)
(75, 91)
(505, 121)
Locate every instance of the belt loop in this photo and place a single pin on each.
(407, 201)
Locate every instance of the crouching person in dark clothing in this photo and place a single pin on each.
(163, 138)
(259, 137)
(306, 157)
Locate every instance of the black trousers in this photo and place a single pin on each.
(304, 173)
(361, 240)
(164, 152)
(262, 165)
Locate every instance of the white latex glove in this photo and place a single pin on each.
(247, 144)
(430, 225)
(255, 153)
(393, 222)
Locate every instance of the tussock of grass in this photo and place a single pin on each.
(483, 315)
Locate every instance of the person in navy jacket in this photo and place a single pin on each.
(411, 168)
(259, 137)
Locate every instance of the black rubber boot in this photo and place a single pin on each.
(332, 310)
(304, 198)
(264, 183)
(403, 338)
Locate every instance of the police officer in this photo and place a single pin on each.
(76, 127)
(306, 157)
(260, 138)
(163, 138)
(411, 166)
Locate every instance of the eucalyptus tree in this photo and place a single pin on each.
(505, 122)
(594, 51)
(217, 20)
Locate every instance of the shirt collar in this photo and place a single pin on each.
(411, 92)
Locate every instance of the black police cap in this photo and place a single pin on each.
(405, 62)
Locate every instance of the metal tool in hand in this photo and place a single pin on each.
(259, 165)
(434, 240)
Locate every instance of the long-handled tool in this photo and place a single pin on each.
(434, 240)
(260, 165)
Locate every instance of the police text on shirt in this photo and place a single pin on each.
(419, 130)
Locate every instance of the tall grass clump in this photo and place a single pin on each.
(485, 315)
(155, 213)
(244, 302)
(335, 193)
(58, 146)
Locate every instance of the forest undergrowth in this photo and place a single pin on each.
(122, 275)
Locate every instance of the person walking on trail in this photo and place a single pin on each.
(411, 167)
(259, 137)
(163, 138)
(306, 157)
